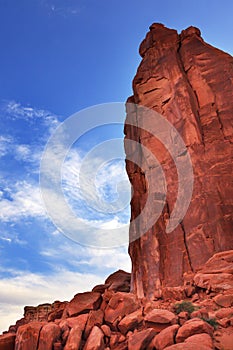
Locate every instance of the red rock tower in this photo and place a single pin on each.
(190, 83)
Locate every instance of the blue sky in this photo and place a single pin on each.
(58, 57)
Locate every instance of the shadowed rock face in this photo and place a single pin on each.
(190, 83)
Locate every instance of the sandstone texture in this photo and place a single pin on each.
(165, 338)
(83, 302)
(7, 341)
(189, 83)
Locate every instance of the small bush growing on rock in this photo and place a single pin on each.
(186, 306)
(212, 322)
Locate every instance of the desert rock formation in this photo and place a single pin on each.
(190, 83)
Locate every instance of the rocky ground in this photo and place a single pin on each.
(198, 315)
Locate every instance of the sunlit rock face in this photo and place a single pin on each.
(190, 83)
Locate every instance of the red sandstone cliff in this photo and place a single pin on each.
(190, 83)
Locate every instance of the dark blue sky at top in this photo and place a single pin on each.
(63, 55)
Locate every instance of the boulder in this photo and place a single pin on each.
(198, 341)
(131, 321)
(224, 339)
(183, 316)
(7, 341)
(173, 293)
(74, 338)
(100, 288)
(160, 316)
(201, 313)
(219, 263)
(117, 340)
(120, 305)
(27, 336)
(224, 300)
(165, 338)
(216, 282)
(192, 327)
(217, 273)
(49, 334)
(159, 319)
(119, 281)
(95, 340)
(83, 303)
(141, 340)
(79, 321)
(224, 313)
(95, 318)
(106, 330)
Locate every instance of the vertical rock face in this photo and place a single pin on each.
(190, 83)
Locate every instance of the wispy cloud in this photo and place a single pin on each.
(62, 8)
(5, 143)
(16, 111)
(94, 259)
(24, 202)
(103, 192)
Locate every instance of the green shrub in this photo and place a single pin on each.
(211, 321)
(186, 306)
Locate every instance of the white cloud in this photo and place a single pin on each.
(104, 189)
(9, 315)
(24, 288)
(11, 237)
(5, 144)
(16, 111)
(57, 7)
(25, 202)
(6, 239)
(39, 122)
(93, 258)
(112, 224)
(23, 152)
(114, 259)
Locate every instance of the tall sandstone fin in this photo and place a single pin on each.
(190, 83)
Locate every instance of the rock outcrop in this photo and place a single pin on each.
(116, 320)
(190, 83)
(42, 313)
